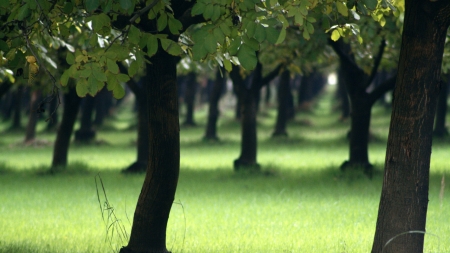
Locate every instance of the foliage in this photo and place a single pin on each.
(100, 33)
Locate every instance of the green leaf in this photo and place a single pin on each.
(198, 9)
(152, 45)
(282, 36)
(24, 12)
(123, 78)
(370, 4)
(216, 12)
(68, 7)
(91, 5)
(4, 46)
(251, 28)
(198, 52)
(247, 57)
(171, 47)
(118, 91)
(260, 33)
(310, 28)
(134, 35)
(162, 21)
(112, 66)
(210, 44)
(227, 65)
(219, 36)
(225, 29)
(254, 44)
(335, 35)
(133, 69)
(64, 79)
(209, 10)
(82, 88)
(99, 21)
(306, 34)
(86, 72)
(175, 26)
(272, 34)
(342, 9)
(99, 74)
(92, 85)
(234, 46)
(125, 4)
(70, 58)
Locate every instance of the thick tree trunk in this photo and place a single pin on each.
(148, 233)
(439, 128)
(284, 91)
(61, 147)
(189, 98)
(404, 196)
(86, 132)
(213, 111)
(17, 108)
(30, 131)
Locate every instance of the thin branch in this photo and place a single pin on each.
(274, 73)
(377, 62)
(144, 10)
(342, 55)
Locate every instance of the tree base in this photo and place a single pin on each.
(127, 250)
(85, 135)
(211, 138)
(365, 167)
(189, 124)
(136, 168)
(440, 132)
(242, 165)
(280, 134)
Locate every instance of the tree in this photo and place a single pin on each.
(213, 110)
(404, 196)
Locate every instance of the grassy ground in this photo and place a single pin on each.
(302, 204)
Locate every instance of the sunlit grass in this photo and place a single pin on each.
(301, 203)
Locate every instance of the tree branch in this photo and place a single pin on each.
(269, 77)
(142, 11)
(384, 87)
(377, 62)
(344, 56)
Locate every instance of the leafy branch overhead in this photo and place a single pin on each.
(100, 33)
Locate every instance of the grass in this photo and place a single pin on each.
(305, 204)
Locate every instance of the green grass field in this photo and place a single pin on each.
(302, 204)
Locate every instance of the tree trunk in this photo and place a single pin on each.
(343, 95)
(61, 147)
(213, 111)
(52, 114)
(439, 128)
(283, 94)
(189, 98)
(17, 107)
(140, 165)
(148, 233)
(248, 96)
(86, 132)
(30, 132)
(102, 106)
(404, 196)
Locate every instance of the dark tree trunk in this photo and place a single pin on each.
(356, 83)
(247, 92)
(5, 87)
(189, 98)
(213, 112)
(52, 122)
(140, 92)
(148, 233)
(343, 95)
(71, 107)
(102, 106)
(284, 91)
(30, 132)
(86, 132)
(439, 128)
(404, 196)
(17, 108)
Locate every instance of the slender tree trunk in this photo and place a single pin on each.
(213, 112)
(5, 87)
(61, 147)
(404, 196)
(148, 233)
(189, 98)
(30, 132)
(17, 106)
(86, 132)
(284, 90)
(439, 128)
(102, 106)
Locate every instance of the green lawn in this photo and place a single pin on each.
(302, 203)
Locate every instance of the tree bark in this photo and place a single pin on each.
(148, 233)
(284, 91)
(17, 108)
(404, 196)
(52, 114)
(61, 147)
(213, 111)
